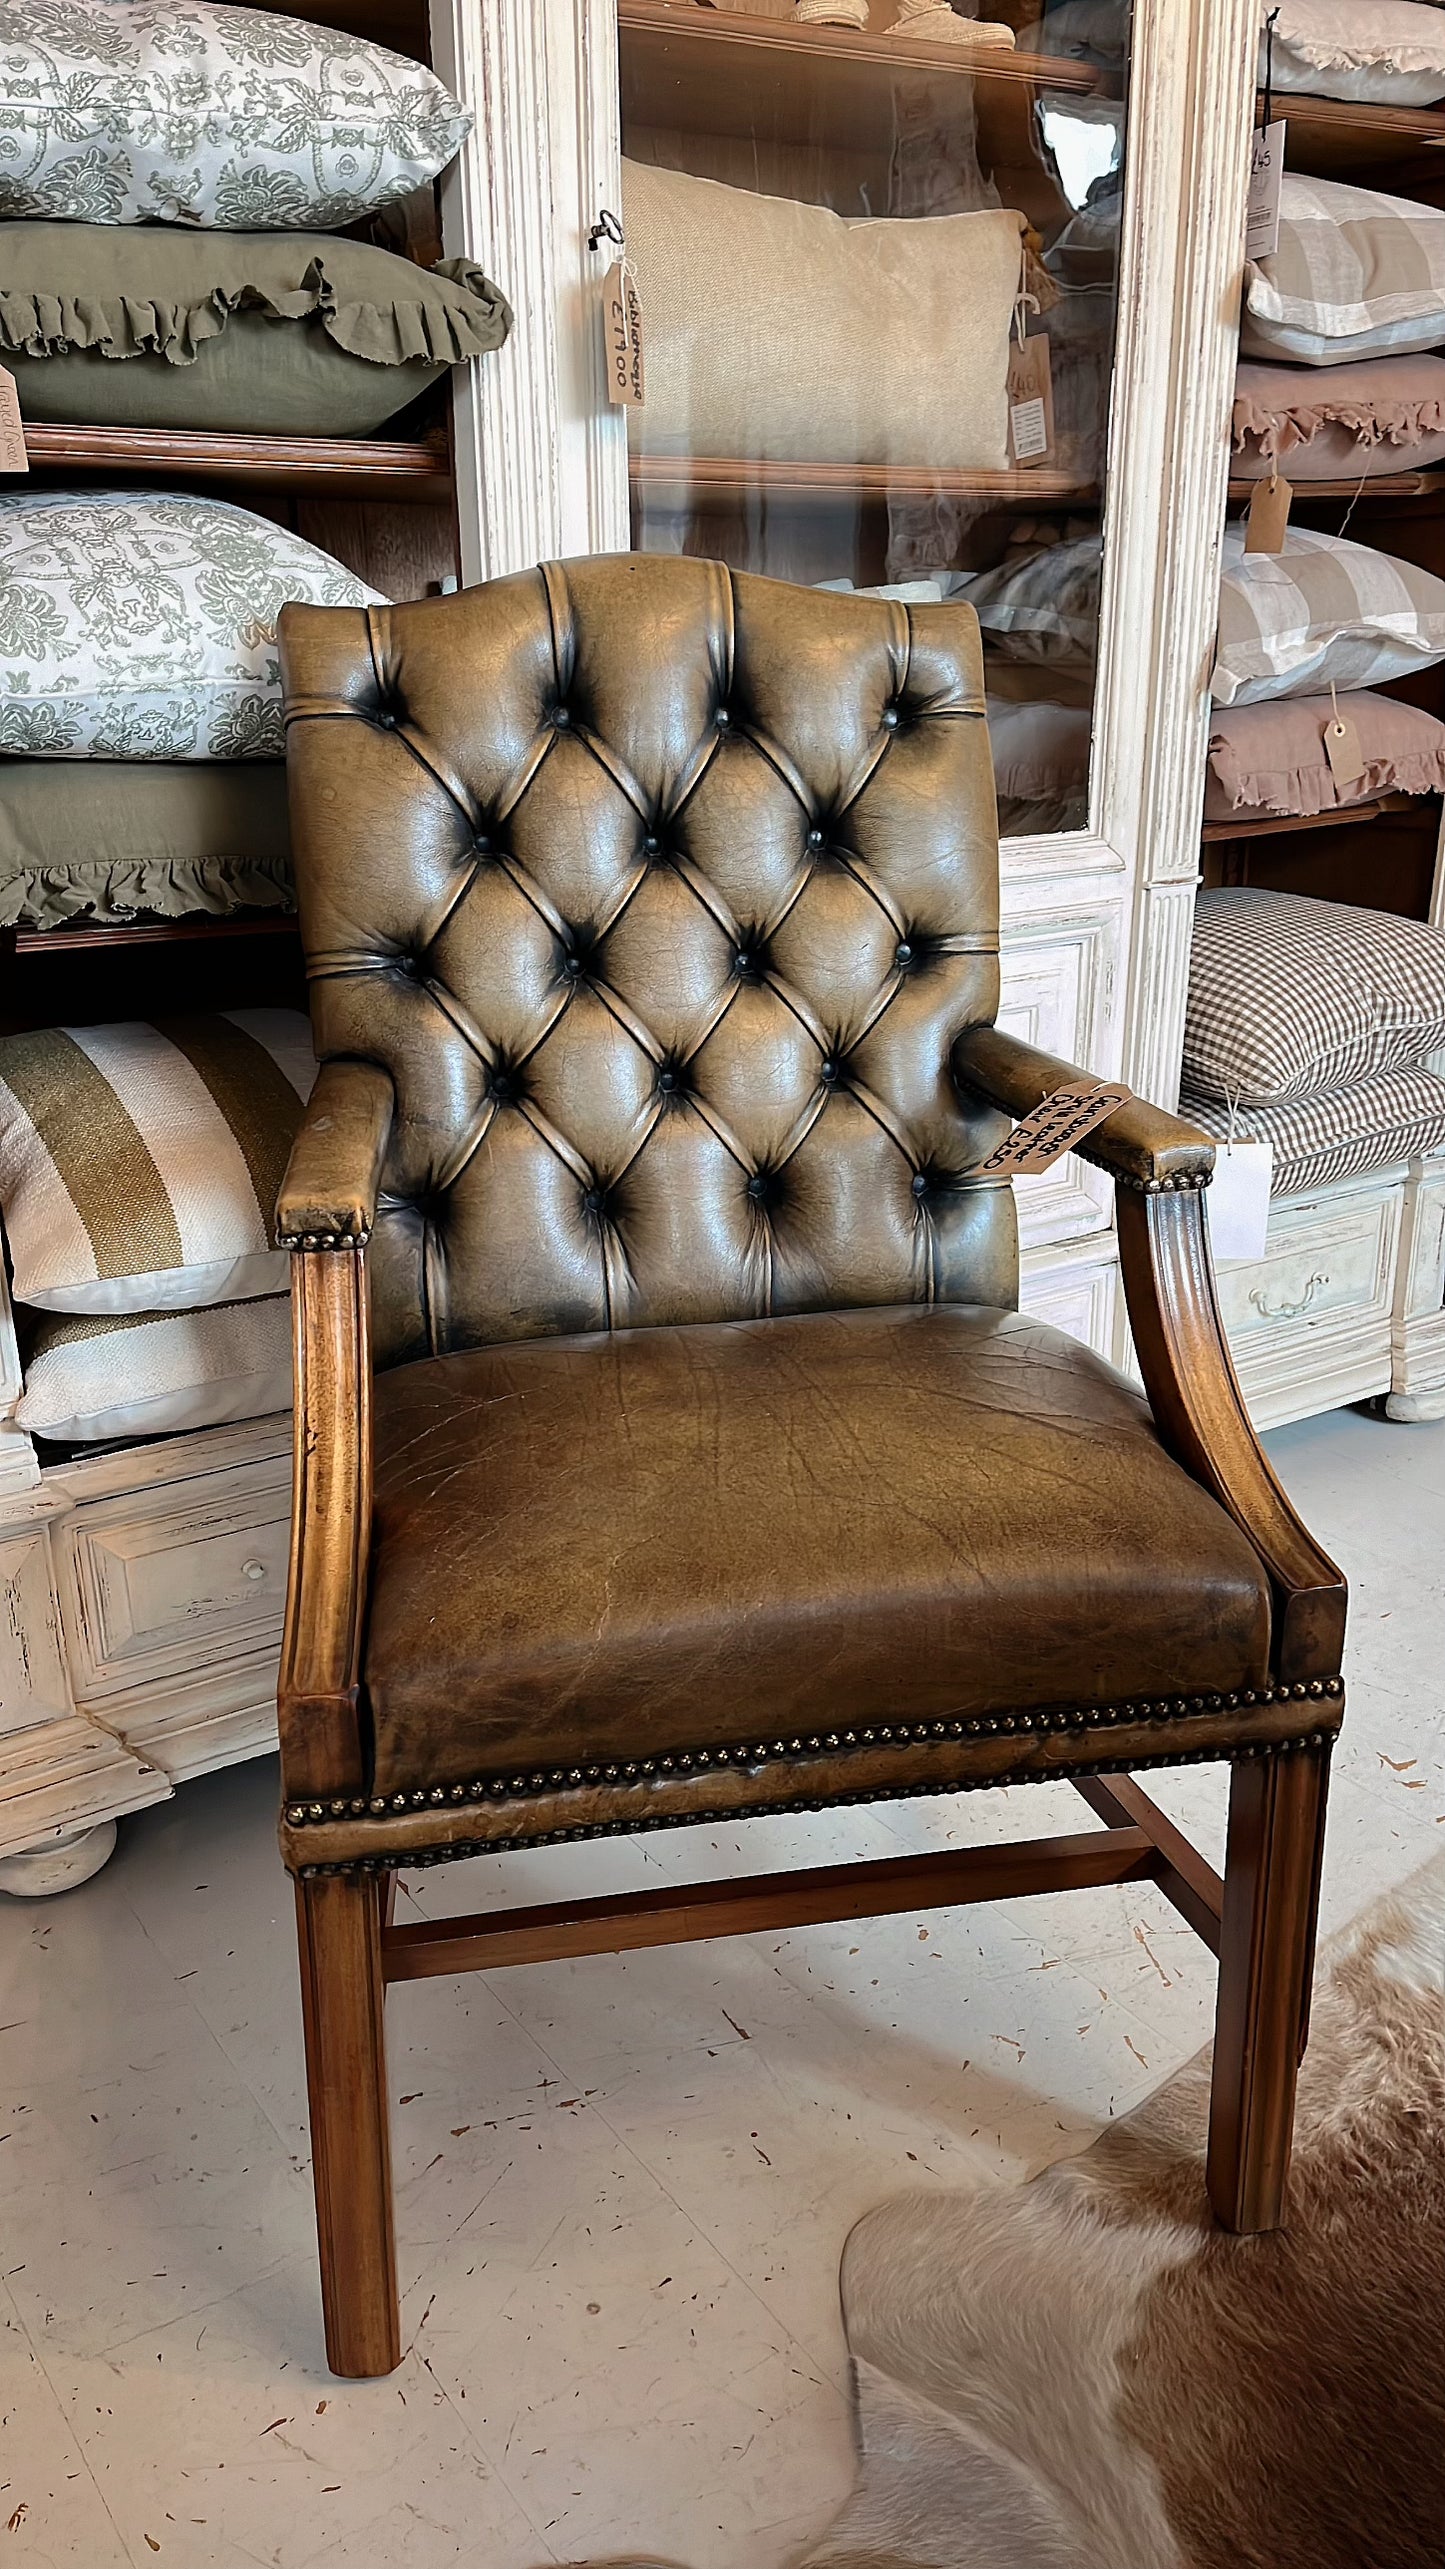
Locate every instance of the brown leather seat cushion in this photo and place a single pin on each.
(620, 1545)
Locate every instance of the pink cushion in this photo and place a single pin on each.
(1271, 758)
(1337, 423)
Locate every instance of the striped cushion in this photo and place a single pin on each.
(1356, 274)
(139, 1165)
(1399, 1115)
(91, 1378)
(1323, 613)
(1291, 998)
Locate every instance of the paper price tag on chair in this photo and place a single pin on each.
(1237, 1198)
(13, 457)
(1056, 1126)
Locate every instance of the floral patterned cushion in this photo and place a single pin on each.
(140, 625)
(165, 111)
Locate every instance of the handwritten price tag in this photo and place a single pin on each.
(1058, 1125)
(622, 319)
(13, 457)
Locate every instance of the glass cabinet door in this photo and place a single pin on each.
(869, 303)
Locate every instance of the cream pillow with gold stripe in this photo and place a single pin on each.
(92, 1378)
(139, 1164)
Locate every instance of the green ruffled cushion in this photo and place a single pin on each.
(105, 839)
(280, 333)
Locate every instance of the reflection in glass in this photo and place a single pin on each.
(842, 216)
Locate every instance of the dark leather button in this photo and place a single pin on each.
(903, 954)
(501, 1087)
(562, 718)
(385, 717)
(920, 1183)
(745, 962)
(572, 966)
(409, 966)
(651, 844)
(481, 845)
(667, 1081)
(816, 838)
(722, 718)
(890, 717)
(829, 1074)
(758, 1189)
(592, 1200)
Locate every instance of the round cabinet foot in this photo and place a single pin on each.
(1415, 1409)
(43, 1870)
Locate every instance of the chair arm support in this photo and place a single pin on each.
(1140, 1145)
(328, 1195)
(318, 1693)
(1162, 1166)
(1200, 1413)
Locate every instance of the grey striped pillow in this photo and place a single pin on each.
(1396, 1116)
(1323, 613)
(139, 1164)
(1356, 274)
(93, 1377)
(1292, 998)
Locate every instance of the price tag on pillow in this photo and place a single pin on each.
(1030, 400)
(1266, 170)
(1238, 1199)
(1264, 528)
(13, 457)
(622, 319)
(1057, 1125)
(1342, 749)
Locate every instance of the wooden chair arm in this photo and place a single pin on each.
(1139, 1144)
(318, 1692)
(328, 1194)
(1199, 1409)
(1162, 1166)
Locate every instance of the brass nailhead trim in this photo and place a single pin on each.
(413, 1859)
(1189, 1182)
(902, 1734)
(322, 1239)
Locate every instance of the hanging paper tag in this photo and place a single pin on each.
(1058, 1125)
(1264, 528)
(1342, 749)
(1237, 1198)
(13, 457)
(1266, 169)
(1030, 400)
(622, 317)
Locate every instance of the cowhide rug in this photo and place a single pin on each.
(1079, 2373)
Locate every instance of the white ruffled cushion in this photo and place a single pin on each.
(1382, 52)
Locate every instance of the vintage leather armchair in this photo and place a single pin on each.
(651, 914)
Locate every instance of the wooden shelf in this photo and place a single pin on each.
(678, 482)
(1375, 486)
(694, 71)
(1217, 831)
(378, 468)
(81, 939)
(1330, 137)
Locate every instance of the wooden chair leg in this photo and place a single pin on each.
(338, 1923)
(1266, 1958)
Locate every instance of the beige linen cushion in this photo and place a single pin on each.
(1322, 613)
(1271, 758)
(139, 1165)
(1340, 423)
(1317, 1141)
(1292, 998)
(91, 1379)
(103, 838)
(1385, 52)
(1356, 274)
(778, 332)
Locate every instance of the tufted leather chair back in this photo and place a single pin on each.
(663, 894)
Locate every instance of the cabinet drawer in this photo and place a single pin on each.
(1309, 1323)
(177, 1577)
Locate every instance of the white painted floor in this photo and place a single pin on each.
(623, 2185)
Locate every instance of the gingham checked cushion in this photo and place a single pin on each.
(1323, 613)
(1291, 998)
(1398, 1115)
(1356, 274)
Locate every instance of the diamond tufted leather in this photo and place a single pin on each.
(674, 893)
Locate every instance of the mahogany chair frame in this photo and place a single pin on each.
(1259, 1918)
